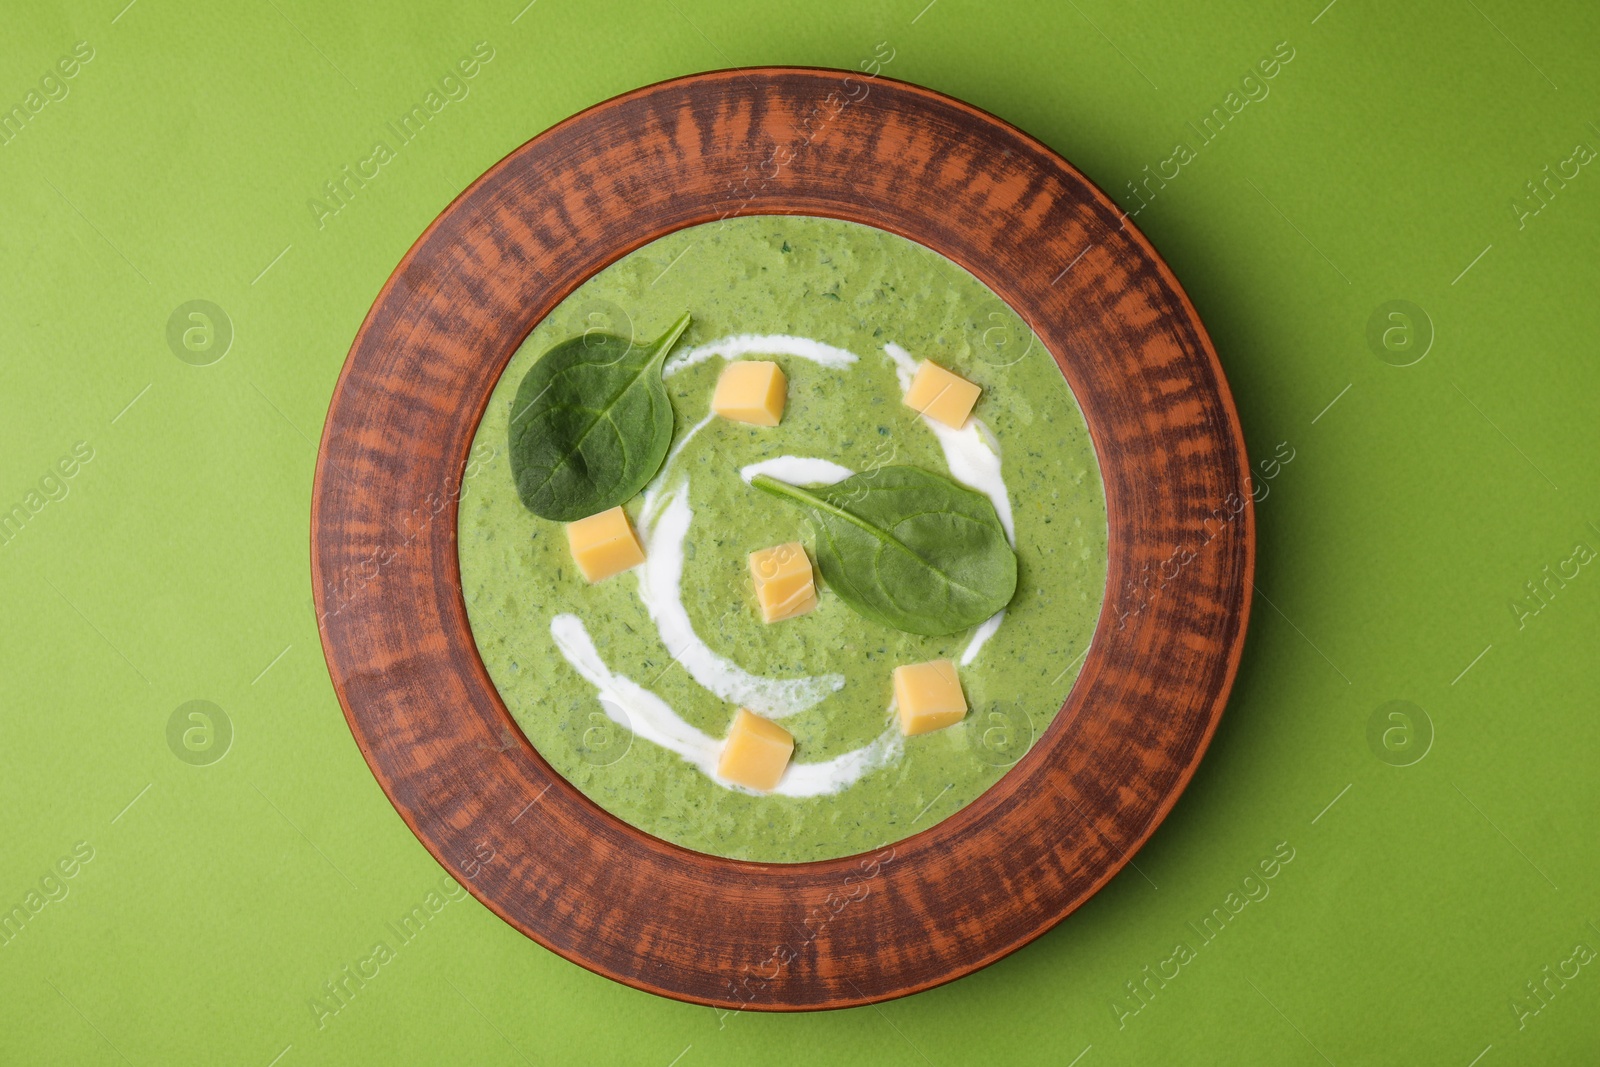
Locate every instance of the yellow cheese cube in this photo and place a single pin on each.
(941, 395)
(753, 391)
(604, 544)
(756, 752)
(784, 583)
(929, 696)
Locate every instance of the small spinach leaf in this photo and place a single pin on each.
(908, 548)
(591, 423)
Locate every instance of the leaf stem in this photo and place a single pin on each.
(770, 485)
(664, 343)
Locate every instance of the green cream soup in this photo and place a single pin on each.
(628, 686)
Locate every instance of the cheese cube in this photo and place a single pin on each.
(941, 395)
(604, 544)
(753, 391)
(929, 697)
(784, 583)
(756, 752)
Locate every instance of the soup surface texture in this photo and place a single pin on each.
(628, 686)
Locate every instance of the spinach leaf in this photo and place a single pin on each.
(591, 423)
(907, 548)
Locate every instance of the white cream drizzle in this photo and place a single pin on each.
(980, 636)
(973, 457)
(763, 344)
(642, 712)
(652, 492)
(971, 453)
(637, 709)
(661, 589)
(797, 470)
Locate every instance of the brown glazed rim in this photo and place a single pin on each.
(970, 889)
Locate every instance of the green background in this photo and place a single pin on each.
(1382, 165)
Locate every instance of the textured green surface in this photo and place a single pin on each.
(1385, 161)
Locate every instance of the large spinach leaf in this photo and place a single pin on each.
(591, 423)
(907, 548)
